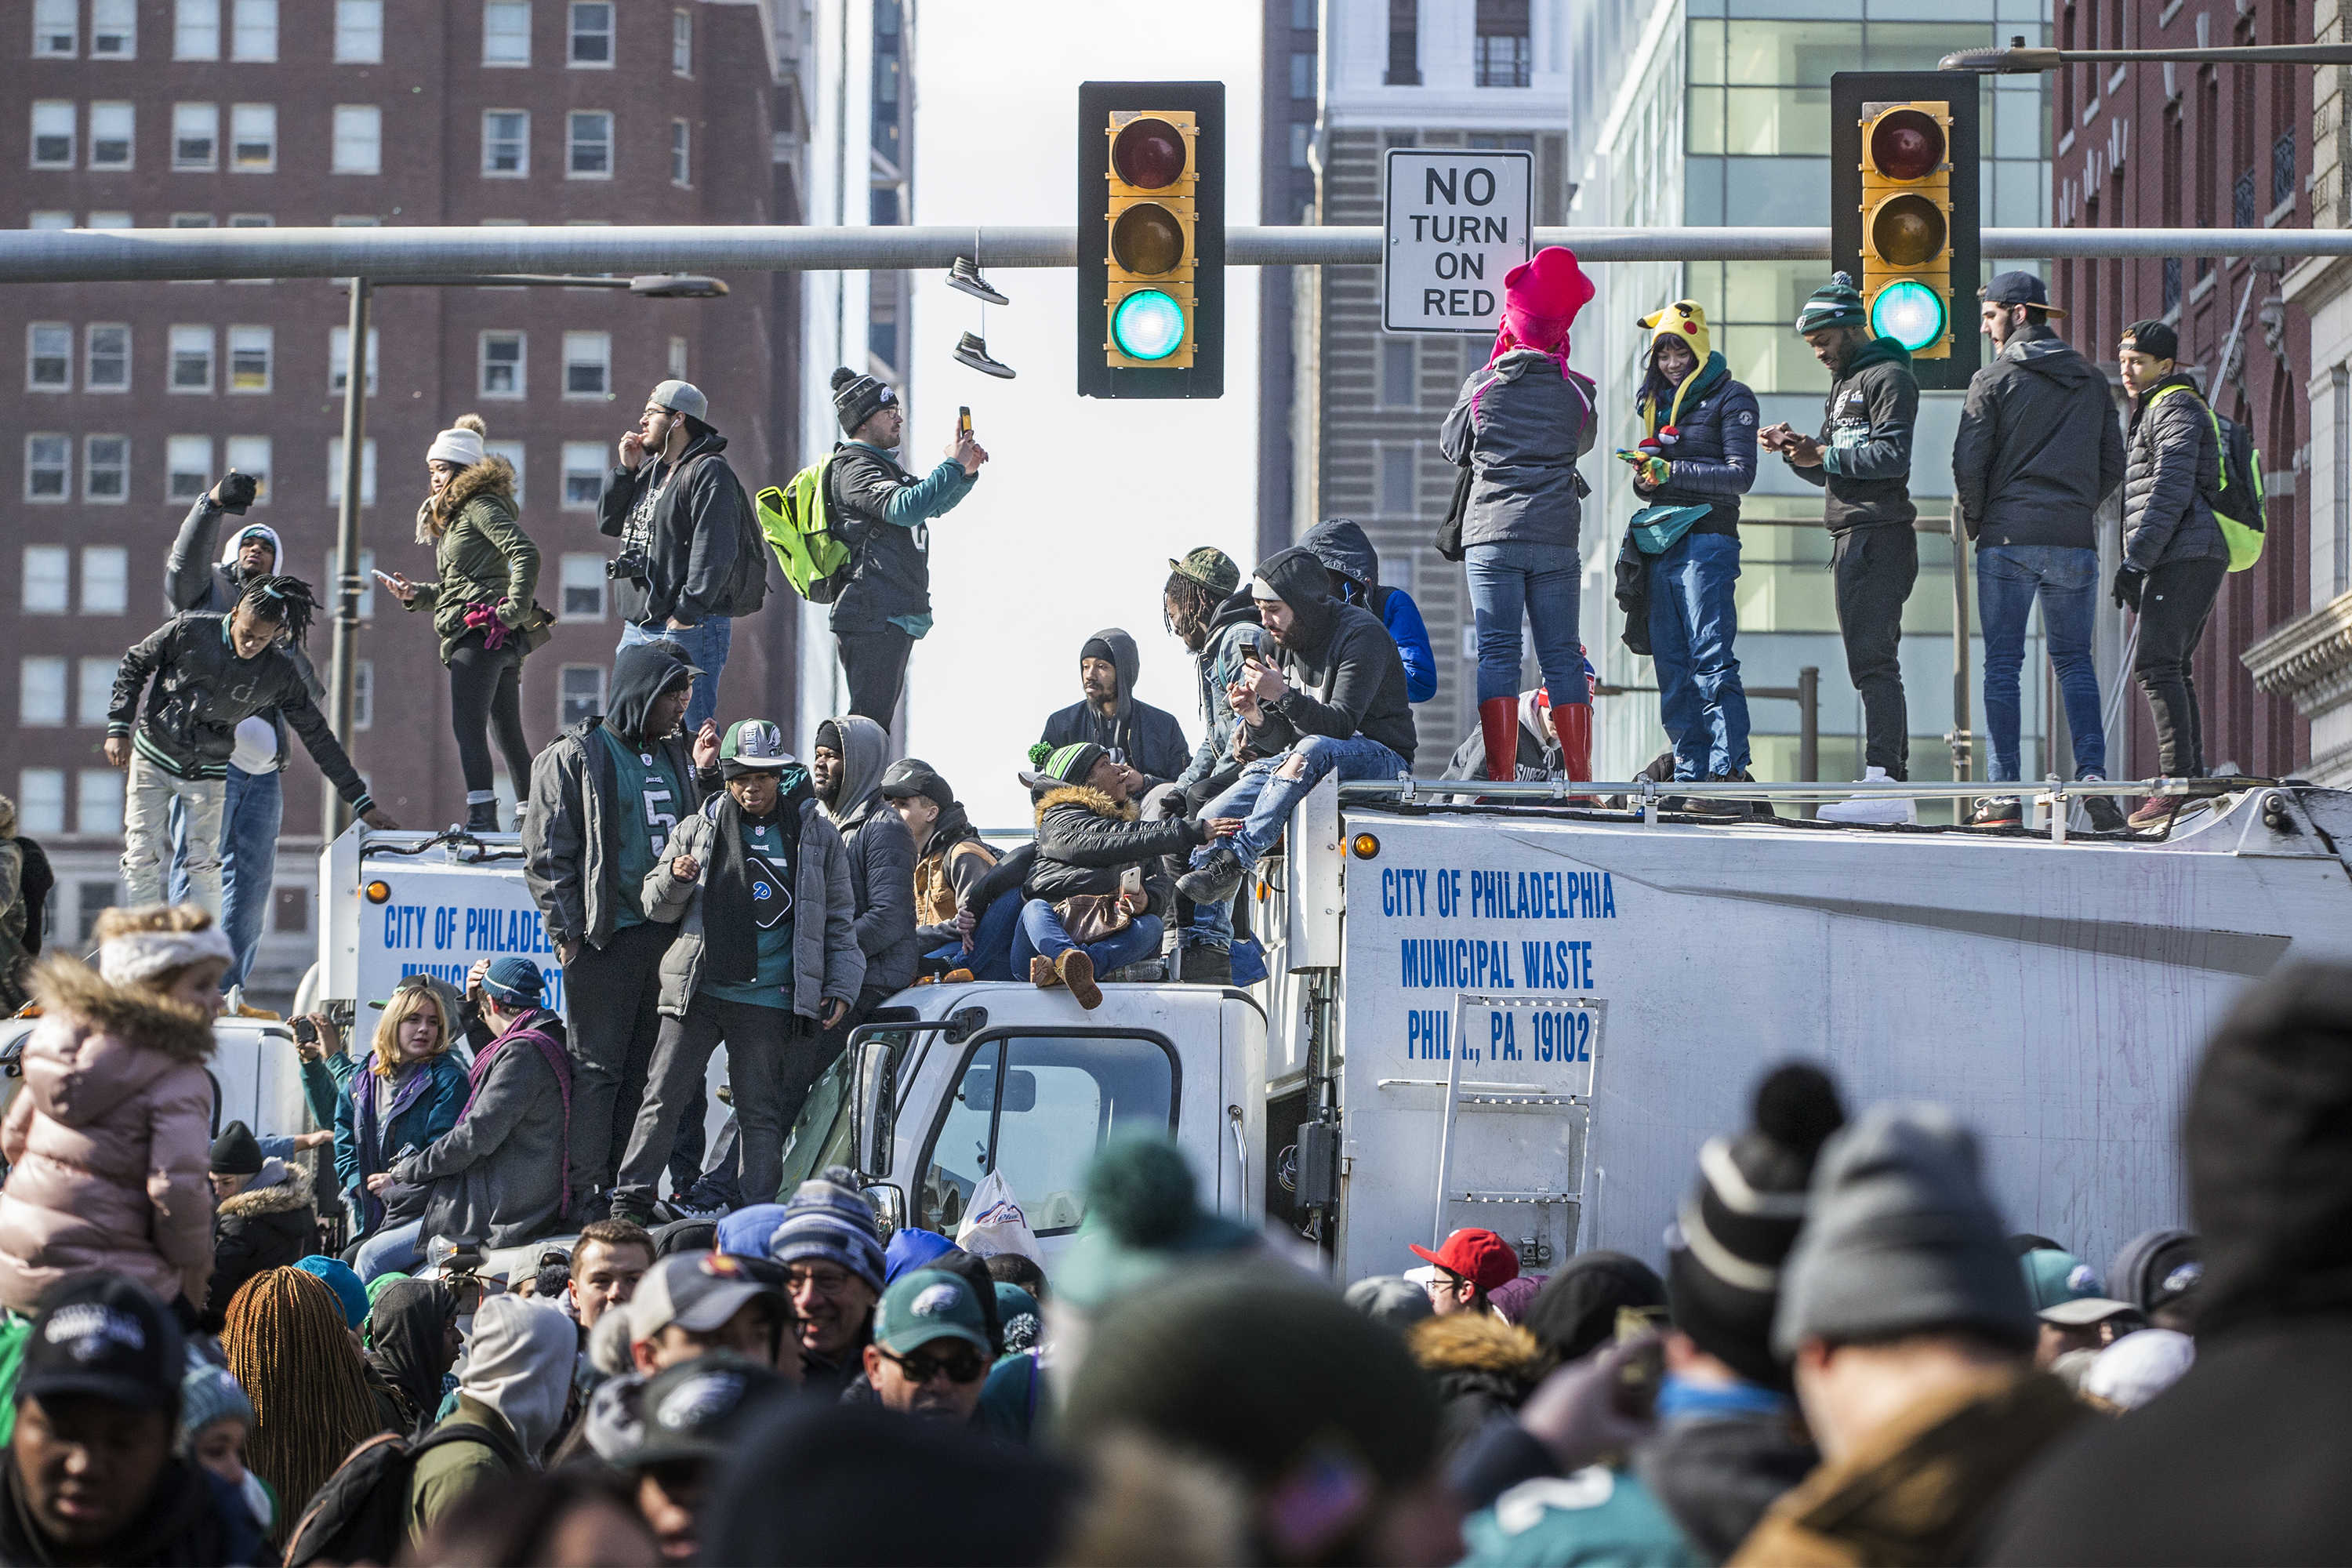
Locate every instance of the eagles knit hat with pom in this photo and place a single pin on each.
(856, 398)
(1737, 1226)
(1143, 1215)
(1541, 296)
(1836, 303)
(826, 1221)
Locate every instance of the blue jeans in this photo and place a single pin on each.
(1692, 624)
(1266, 798)
(251, 812)
(705, 649)
(2008, 578)
(1040, 931)
(1212, 927)
(991, 941)
(393, 1251)
(1512, 583)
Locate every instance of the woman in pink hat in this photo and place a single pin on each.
(1521, 423)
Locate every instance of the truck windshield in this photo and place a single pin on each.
(1034, 1110)
(820, 1135)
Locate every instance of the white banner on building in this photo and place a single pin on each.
(1455, 221)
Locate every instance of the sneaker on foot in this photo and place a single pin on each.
(1077, 973)
(1872, 806)
(1042, 972)
(2106, 816)
(2152, 811)
(1216, 880)
(1998, 811)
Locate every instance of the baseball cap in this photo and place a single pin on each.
(104, 1336)
(514, 981)
(682, 397)
(2065, 1290)
(2153, 339)
(753, 746)
(926, 1306)
(1478, 1256)
(910, 776)
(692, 1410)
(1210, 567)
(2019, 287)
(699, 1291)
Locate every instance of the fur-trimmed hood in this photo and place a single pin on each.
(72, 991)
(1093, 799)
(98, 1045)
(493, 476)
(1475, 1341)
(280, 1188)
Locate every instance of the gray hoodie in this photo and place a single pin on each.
(881, 855)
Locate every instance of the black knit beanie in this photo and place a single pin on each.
(1576, 1312)
(1739, 1222)
(856, 397)
(235, 1152)
(1095, 647)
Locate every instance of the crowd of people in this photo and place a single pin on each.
(1845, 1357)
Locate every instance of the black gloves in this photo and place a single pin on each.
(2130, 581)
(237, 491)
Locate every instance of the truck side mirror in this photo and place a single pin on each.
(872, 1107)
(888, 1202)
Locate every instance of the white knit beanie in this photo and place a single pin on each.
(463, 447)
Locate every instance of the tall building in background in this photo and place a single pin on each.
(197, 113)
(1716, 112)
(1291, 90)
(1366, 404)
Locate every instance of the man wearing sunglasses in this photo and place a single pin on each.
(931, 1353)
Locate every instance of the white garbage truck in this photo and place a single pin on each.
(1527, 1017)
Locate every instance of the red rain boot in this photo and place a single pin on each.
(1498, 725)
(1572, 722)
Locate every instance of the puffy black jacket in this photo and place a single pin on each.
(1346, 676)
(1711, 460)
(260, 1228)
(1085, 839)
(1866, 427)
(2170, 455)
(2020, 467)
(687, 539)
(203, 691)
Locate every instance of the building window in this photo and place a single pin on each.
(2282, 169)
(41, 692)
(97, 803)
(358, 139)
(1302, 74)
(587, 364)
(195, 135)
(335, 471)
(677, 359)
(592, 33)
(583, 476)
(2172, 283)
(105, 475)
(109, 220)
(107, 361)
(1400, 368)
(1397, 479)
(367, 580)
(191, 359)
(364, 693)
(1504, 56)
(1404, 43)
(187, 468)
(583, 588)
(254, 35)
(53, 134)
(105, 580)
(1302, 138)
(681, 42)
(506, 31)
(250, 455)
(502, 365)
(112, 132)
(253, 137)
(195, 29)
(40, 222)
(359, 32)
(506, 143)
(49, 467)
(56, 28)
(113, 29)
(2241, 200)
(589, 144)
(94, 690)
(47, 568)
(289, 911)
(581, 695)
(249, 359)
(339, 360)
(41, 800)
(681, 168)
(48, 356)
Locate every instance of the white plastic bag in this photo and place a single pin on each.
(996, 1223)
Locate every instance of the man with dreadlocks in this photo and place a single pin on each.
(1216, 620)
(211, 673)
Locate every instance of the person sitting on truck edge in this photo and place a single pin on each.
(1335, 703)
(498, 1176)
(604, 796)
(210, 674)
(262, 1219)
(758, 887)
(846, 764)
(1088, 840)
(953, 933)
(1109, 714)
(1206, 605)
(1862, 459)
(1472, 1265)
(1339, 542)
(407, 1096)
(253, 807)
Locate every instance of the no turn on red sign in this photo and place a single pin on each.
(1455, 221)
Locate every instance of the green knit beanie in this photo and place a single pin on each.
(1836, 303)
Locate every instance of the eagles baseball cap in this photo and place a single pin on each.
(753, 746)
(103, 1336)
(923, 1308)
(2064, 1290)
(699, 1291)
(694, 1409)
(910, 776)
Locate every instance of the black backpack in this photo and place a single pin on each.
(745, 589)
(361, 1513)
(35, 884)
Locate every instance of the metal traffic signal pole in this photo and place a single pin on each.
(342, 669)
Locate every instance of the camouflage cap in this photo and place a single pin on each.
(1210, 567)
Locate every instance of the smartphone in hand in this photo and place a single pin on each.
(963, 421)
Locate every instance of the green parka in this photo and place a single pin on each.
(482, 556)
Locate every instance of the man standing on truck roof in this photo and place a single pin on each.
(1862, 459)
(1335, 702)
(605, 795)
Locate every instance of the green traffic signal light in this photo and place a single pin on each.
(1147, 325)
(1908, 312)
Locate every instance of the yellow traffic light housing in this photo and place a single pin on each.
(1152, 211)
(1906, 223)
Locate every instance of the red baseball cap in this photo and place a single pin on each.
(1480, 1257)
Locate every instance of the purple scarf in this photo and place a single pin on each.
(557, 1062)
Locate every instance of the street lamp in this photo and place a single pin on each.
(342, 669)
(2017, 59)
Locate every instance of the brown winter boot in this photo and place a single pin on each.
(1042, 972)
(1078, 974)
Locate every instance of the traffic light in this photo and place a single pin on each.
(1152, 240)
(1904, 212)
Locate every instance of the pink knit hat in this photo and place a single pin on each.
(1540, 300)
